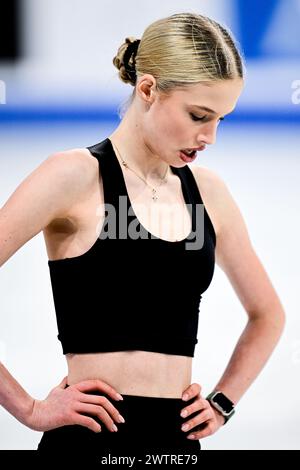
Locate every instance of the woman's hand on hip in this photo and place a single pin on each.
(67, 406)
(207, 421)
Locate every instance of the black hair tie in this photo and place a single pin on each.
(131, 50)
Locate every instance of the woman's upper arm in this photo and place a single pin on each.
(44, 195)
(235, 254)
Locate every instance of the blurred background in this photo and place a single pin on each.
(60, 90)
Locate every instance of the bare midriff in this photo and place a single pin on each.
(134, 372)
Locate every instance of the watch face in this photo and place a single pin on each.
(223, 402)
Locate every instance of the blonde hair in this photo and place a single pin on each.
(178, 51)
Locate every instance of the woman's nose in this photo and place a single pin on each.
(208, 133)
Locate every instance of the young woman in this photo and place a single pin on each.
(132, 234)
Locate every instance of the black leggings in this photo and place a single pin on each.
(152, 428)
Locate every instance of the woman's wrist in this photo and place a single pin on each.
(24, 412)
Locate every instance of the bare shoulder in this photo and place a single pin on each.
(210, 186)
(233, 239)
(207, 179)
(78, 169)
(77, 163)
(220, 202)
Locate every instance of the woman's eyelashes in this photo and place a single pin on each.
(196, 118)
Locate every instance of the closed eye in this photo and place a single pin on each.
(196, 118)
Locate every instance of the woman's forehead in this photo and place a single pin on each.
(215, 97)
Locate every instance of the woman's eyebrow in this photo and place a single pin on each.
(205, 109)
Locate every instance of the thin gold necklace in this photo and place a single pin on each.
(154, 190)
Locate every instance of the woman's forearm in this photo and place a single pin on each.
(13, 397)
(251, 353)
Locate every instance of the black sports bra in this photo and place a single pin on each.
(132, 290)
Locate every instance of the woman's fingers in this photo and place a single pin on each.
(197, 405)
(95, 404)
(203, 415)
(88, 385)
(201, 418)
(104, 402)
(191, 391)
(87, 422)
(100, 412)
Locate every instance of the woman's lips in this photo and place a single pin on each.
(187, 159)
(191, 158)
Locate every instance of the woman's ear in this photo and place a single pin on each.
(146, 88)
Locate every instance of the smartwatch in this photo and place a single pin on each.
(221, 403)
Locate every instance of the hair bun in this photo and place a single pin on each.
(125, 59)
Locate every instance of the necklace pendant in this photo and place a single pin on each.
(154, 197)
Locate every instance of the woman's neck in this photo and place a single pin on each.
(133, 149)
